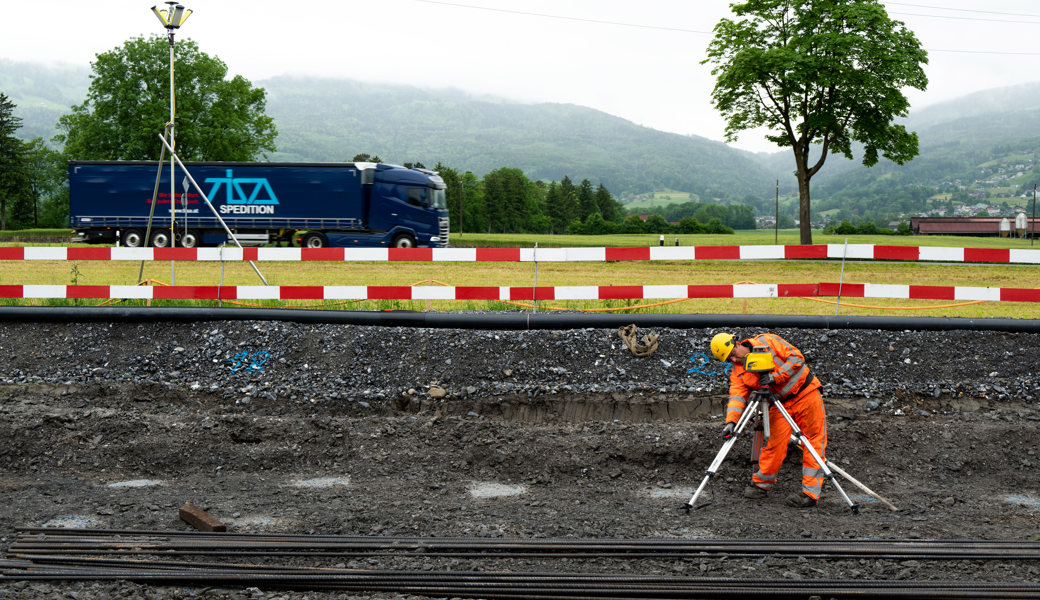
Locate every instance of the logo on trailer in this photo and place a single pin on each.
(243, 195)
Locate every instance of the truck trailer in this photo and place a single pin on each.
(314, 204)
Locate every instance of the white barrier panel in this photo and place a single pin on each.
(46, 253)
(433, 292)
(755, 290)
(851, 251)
(761, 252)
(582, 254)
(977, 293)
(1025, 256)
(454, 254)
(273, 254)
(665, 292)
(259, 292)
(672, 252)
(131, 292)
(543, 254)
(882, 290)
(582, 292)
(942, 254)
(43, 291)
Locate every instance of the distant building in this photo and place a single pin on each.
(973, 226)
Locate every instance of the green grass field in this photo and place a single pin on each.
(582, 274)
(661, 198)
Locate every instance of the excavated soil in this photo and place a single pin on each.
(335, 429)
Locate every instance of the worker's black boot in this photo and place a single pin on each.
(754, 492)
(800, 500)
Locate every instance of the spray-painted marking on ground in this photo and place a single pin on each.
(526, 293)
(71, 522)
(701, 362)
(671, 493)
(136, 483)
(1027, 501)
(599, 254)
(496, 490)
(322, 482)
(249, 361)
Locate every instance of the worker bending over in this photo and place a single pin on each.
(798, 390)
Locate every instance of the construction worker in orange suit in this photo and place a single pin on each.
(799, 391)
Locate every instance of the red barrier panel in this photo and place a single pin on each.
(996, 255)
(897, 252)
(815, 251)
(717, 252)
(627, 253)
(498, 254)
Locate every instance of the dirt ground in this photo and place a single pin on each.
(335, 429)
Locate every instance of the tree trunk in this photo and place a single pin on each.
(804, 221)
(803, 176)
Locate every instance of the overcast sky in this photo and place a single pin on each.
(636, 60)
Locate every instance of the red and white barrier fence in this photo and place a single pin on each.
(813, 252)
(521, 293)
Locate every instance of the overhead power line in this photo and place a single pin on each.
(964, 10)
(705, 32)
(564, 18)
(974, 19)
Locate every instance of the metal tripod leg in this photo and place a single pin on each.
(797, 431)
(748, 415)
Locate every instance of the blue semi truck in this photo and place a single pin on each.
(313, 204)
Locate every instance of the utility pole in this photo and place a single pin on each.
(776, 217)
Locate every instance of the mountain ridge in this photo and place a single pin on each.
(329, 119)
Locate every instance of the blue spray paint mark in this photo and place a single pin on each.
(255, 361)
(701, 360)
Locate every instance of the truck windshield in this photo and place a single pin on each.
(438, 199)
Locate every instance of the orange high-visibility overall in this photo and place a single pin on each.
(799, 391)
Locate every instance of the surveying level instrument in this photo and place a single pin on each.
(760, 360)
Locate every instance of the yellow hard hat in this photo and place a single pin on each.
(722, 345)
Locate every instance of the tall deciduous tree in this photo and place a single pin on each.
(821, 74)
(47, 176)
(128, 105)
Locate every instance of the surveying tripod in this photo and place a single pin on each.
(758, 409)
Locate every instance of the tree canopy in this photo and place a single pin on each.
(128, 106)
(823, 74)
(12, 150)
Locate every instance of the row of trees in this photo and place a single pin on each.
(31, 177)
(506, 201)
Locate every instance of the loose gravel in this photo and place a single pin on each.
(412, 431)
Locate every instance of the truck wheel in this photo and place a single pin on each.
(191, 239)
(403, 240)
(161, 239)
(132, 238)
(315, 239)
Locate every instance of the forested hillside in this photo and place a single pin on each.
(321, 119)
(42, 93)
(984, 148)
(980, 149)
